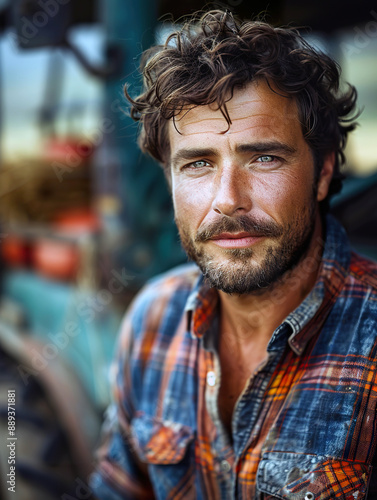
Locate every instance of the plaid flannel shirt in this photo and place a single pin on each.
(303, 429)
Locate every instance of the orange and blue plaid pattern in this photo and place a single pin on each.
(304, 427)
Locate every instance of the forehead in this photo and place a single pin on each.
(255, 111)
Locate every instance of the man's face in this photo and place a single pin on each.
(245, 200)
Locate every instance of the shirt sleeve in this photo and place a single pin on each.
(119, 474)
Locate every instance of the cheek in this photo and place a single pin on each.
(281, 195)
(191, 202)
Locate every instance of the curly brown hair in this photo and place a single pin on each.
(204, 61)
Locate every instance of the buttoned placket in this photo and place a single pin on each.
(246, 410)
(221, 445)
(248, 405)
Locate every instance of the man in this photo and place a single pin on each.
(253, 376)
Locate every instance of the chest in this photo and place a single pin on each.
(308, 424)
(236, 373)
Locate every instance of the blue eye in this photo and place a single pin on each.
(199, 164)
(266, 158)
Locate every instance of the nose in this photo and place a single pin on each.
(232, 193)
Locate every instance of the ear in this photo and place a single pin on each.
(325, 176)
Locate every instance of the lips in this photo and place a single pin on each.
(242, 231)
(236, 240)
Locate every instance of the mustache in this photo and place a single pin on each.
(243, 223)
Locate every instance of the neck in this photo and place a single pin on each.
(254, 317)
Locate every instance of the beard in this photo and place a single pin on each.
(240, 273)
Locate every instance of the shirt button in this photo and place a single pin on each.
(211, 379)
(225, 466)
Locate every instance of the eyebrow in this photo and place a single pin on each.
(187, 154)
(266, 146)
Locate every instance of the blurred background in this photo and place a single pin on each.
(85, 219)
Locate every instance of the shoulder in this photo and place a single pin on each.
(182, 277)
(351, 324)
(364, 271)
(173, 285)
(161, 302)
(356, 307)
(154, 324)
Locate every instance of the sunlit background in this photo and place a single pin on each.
(85, 219)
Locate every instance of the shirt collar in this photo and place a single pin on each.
(307, 319)
(201, 308)
(310, 315)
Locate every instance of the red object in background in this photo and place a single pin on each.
(77, 221)
(49, 256)
(61, 259)
(56, 259)
(15, 251)
(73, 150)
